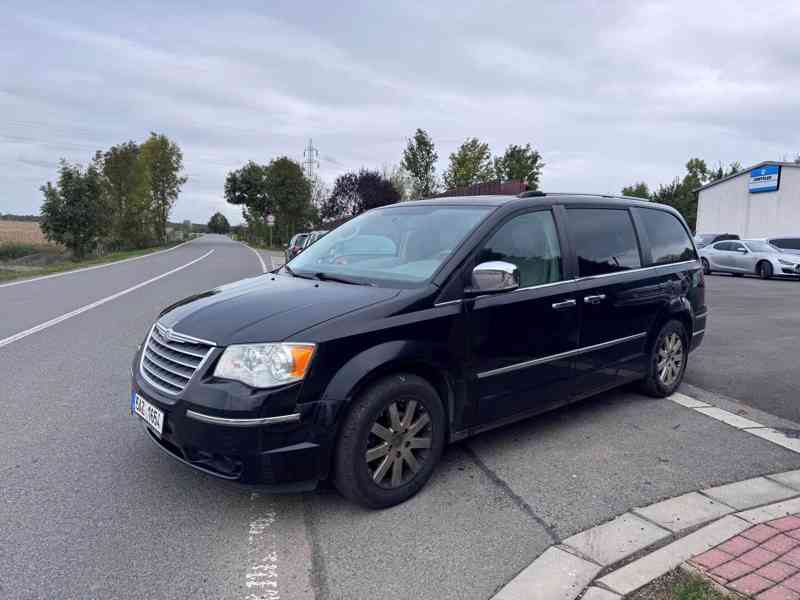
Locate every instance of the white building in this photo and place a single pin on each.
(760, 201)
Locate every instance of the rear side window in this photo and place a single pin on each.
(789, 243)
(669, 242)
(530, 242)
(726, 246)
(605, 241)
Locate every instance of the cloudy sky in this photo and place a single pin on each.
(609, 92)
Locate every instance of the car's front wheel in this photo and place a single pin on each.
(765, 270)
(706, 266)
(390, 441)
(667, 361)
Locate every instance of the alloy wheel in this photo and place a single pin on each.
(670, 359)
(399, 443)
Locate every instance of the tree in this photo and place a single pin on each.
(218, 223)
(354, 193)
(637, 190)
(163, 164)
(289, 194)
(73, 212)
(470, 164)
(247, 187)
(419, 160)
(125, 187)
(721, 172)
(519, 163)
(401, 180)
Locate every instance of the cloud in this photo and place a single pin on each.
(609, 93)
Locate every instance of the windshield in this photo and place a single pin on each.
(761, 247)
(401, 245)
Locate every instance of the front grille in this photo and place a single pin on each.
(170, 359)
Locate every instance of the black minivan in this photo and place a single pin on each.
(415, 325)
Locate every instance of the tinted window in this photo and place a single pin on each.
(759, 246)
(605, 241)
(530, 242)
(669, 241)
(791, 243)
(736, 246)
(726, 246)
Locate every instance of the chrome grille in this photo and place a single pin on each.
(170, 359)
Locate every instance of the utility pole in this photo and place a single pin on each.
(310, 160)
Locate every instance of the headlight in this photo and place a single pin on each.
(265, 365)
(786, 262)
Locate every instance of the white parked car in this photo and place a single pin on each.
(755, 257)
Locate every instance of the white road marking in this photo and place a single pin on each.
(83, 309)
(103, 266)
(261, 578)
(742, 424)
(258, 256)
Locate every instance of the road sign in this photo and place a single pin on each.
(271, 220)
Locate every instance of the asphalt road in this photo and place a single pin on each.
(752, 343)
(89, 508)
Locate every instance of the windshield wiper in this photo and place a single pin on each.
(328, 277)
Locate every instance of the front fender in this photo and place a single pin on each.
(425, 359)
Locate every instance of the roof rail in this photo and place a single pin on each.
(531, 194)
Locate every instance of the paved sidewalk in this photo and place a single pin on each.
(762, 561)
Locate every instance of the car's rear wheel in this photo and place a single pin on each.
(764, 270)
(390, 441)
(667, 362)
(706, 266)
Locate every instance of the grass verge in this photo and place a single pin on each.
(69, 265)
(678, 585)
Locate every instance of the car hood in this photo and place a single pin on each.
(267, 308)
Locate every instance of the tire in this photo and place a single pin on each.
(764, 270)
(706, 266)
(670, 339)
(391, 434)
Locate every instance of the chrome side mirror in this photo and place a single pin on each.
(493, 277)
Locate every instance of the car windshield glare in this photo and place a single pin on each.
(402, 245)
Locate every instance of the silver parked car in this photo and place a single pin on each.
(755, 257)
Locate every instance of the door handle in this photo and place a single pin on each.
(597, 299)
(565, 304)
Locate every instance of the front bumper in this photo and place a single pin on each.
(271, 446)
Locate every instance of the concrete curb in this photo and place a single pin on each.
(661, 536)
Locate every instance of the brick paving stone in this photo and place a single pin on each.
(712, 559)
(733, 570)
(778, 593)
(737, 546)
(794, 534)
(757, 557)
(786, 523)
(792, 557)
(793, 583)
(777, 571)
(760, 533)
(750, 584)
(781, 543)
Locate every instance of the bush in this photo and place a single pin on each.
(12, 250)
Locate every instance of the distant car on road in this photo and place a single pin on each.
(790, 245)
(702, 240)
(416, 325)
(755, 257)
(295, 245)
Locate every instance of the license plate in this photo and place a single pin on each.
(153, 416)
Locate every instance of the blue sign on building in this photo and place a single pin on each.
(765, 179)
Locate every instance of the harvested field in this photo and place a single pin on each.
(21, 232)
